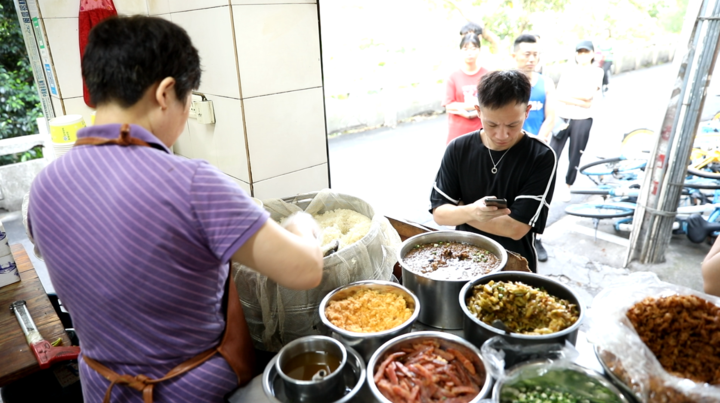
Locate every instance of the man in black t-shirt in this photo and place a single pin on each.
(499, 161)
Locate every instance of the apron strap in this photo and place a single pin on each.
(141, 382)
(236, 346)
(125, 139)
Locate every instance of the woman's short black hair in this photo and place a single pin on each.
(501, 88)
(470, 39)
(127, 55)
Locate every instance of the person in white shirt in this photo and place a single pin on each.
(575, 94)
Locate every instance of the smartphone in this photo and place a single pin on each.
(499, 203)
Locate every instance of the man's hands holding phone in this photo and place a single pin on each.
(486, 209)
(499, 203)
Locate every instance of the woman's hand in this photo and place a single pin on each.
(302, 224)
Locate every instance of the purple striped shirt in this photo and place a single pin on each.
(137, 243)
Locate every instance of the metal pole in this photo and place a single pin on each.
(665, 175)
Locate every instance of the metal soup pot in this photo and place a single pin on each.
(439, 297)
(367, 343)
(477, 331)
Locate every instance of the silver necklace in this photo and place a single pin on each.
(494, 168)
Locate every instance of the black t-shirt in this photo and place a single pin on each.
(525, 177)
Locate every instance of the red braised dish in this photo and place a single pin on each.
(427, 372)
(450, 261)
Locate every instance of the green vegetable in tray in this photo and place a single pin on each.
(558, 386)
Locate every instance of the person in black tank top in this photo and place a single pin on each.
(502, 161)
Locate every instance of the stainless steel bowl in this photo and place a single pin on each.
(477, 331)
(437, 297)
(367, 343)
(540, 369)
(330, 386)
(354, 380)
(615, 379)
(445, 340)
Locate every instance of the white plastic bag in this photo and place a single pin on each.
(622, 351)
(277, 315)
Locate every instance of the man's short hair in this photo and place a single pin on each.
(502, 88)
(471, 27)
(127, 55)
(524, 38)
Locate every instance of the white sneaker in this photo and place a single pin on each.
(564, 194)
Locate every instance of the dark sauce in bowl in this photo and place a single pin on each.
(304, 366)
(450, 261)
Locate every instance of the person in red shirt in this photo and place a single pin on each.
(461, 91)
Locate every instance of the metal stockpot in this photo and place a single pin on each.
(367, 343)
(477, 331)
(439, 297)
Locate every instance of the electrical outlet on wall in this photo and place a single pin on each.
(193, 110)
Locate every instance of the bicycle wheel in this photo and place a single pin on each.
(637, 142)
(590, 210)
(613, 166)
(711, 172)
(701, 183)
(704, 163)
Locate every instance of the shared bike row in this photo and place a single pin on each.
(618, 181)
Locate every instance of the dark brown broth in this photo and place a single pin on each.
(302, 367)
(450, 261)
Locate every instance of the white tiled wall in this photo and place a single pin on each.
(185, 5)
(284, 52)
(286, 132)
(244, 2)
(222, 144)
(57, 104)
(64, 44)
(303, 181)
(261, 68)
(131, 7)
(71, 8)
(76, 106)
(158, 7)
(59, 8)
(211, 31)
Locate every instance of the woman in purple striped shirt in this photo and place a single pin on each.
(137, 241)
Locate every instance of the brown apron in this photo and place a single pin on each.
(236, 345)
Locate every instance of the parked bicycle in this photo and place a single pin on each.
(697, 212)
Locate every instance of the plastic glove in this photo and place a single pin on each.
(302, 224)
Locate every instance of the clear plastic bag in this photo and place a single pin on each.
(500, 355)
(625, 355)
(277, 315)
(546, 365)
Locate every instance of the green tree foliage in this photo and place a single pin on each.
(510, 18)
(19, 101)
(627, 19)
(673, 21)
